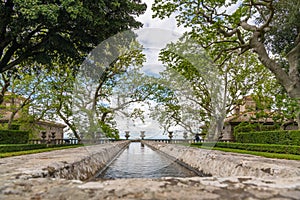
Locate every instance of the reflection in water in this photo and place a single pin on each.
(139, 161)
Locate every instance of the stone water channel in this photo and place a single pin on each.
(64, 175)
(140, 161)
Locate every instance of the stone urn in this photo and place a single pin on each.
(185, 136)
(43, 136)
(127, 135)
(170, 134)
(53, 135)
(142, 135)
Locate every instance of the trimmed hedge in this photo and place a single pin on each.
(13, 137)
(24, 147)
(270, 137)
(271, 148)
(252, 127)
(20, 147)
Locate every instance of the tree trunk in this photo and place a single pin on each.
(4, 89)
(294, 66)
(298, 115)
(289, 80)
(11, 119)
(70, 125)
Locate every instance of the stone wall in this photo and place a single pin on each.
(78, 163)
(224, 164)
(98, 157)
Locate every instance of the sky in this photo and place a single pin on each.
(154, 36)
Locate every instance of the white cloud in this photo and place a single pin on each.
(153, 41)
(157, 33)
(167, 23)
(154, 36)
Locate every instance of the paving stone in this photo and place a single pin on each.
(291, 194)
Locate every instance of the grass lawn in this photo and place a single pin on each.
(18, 153)
(257, 153)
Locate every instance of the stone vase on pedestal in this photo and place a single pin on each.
(142, 135)
(127, 135)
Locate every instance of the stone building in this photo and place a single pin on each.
(44, 127)
(50, 129)
(246, 112)
(10, 102)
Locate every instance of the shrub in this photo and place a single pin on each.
(13, 137)
(244, 128)
(4, 148)
(270, 137)
(20, 147)
(252, 127)
(15, 127)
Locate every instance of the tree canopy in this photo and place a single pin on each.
(39, 31)
(246, 26)
(269, 28)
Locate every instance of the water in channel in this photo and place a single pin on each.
(140, 161)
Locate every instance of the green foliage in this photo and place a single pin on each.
(21, 147)
(244, 127)
(252, 127)
(229, 29)
(192, 75)
(42, 31)
(284, 30)
(109, 131)
(106, 86)
(18, 153)
(221, 31)
(270, 137)
(15, 127)
(25, 147)
(13, 137)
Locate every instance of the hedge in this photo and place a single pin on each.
(20, 147)
(270, 137)
(271, 148)
(252, 127)
(13, 137)
(4, 148)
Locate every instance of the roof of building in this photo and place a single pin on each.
(247, 116)
(41, 122)
(51, 123)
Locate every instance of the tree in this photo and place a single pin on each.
(246, 25)
(41, 32)
(28, 95)
(196, 83)
(113, 60)
(75, 96)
